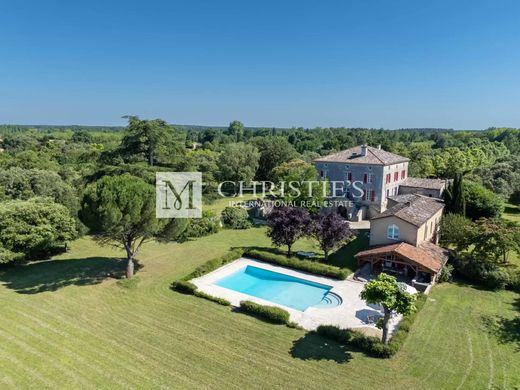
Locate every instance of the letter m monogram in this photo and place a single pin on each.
(178, 194)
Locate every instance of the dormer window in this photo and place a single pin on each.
(392, 232)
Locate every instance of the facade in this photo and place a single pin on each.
(414, 221)
(378, 173)
(403, 240)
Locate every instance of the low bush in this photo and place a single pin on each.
(446, 273)
(184, 287)
(221, 301)
(296, 263)
(199, 227)
(370, 345)
(213, 264)
(492, 276)
(236, 218)
(270, 313)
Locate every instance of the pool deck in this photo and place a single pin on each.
(352, 313)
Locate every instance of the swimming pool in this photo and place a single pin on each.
(286, 290)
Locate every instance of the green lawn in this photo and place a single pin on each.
(512, 213)
(66, 323)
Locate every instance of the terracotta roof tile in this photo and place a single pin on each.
(436, 184)
(374, 156)
(416, 211)
(427, 255)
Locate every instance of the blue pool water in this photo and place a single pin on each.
(283, 289)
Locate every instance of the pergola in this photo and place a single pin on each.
(401, 259)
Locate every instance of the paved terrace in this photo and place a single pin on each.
(352, 313)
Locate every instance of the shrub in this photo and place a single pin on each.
(213, 264)
(236, 218)
(184, 287)
(484, 273)
(296, 263)
(481, 202)
(370, 345)
(446, 273)
(221, 301)
(199, 227)
(270, 313)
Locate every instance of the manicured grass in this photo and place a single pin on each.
(66, 323)
(512, 213)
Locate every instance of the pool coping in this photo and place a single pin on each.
(344, 315)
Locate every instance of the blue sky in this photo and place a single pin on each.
(368, 63)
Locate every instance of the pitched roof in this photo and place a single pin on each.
(416, 211)
(436, 184)
(427, 255)
(374, 156)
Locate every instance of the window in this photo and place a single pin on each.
(392, 232)
(349, 176)
(322, 174)
(388, 178)
(372, 195)
(396, 176)
(388, 192)
(365, 178)
(403, 175)
(370, 177)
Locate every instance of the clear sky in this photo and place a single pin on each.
(367, 63)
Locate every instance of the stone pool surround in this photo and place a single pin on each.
(350, 314)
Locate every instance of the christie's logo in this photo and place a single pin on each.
(178, 194)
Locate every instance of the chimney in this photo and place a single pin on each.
(364, 150)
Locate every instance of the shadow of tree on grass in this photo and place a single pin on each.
(505, 330)
(312, 346)
(51, 275)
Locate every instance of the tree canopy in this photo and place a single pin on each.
(120, 210)
(385, 291)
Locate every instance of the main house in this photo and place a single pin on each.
(404, 212)
(380, 174)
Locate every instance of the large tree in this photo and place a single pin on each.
(273, 152)
(120, 210)
(33, 228)
(385, 291)
(236, 130)
(154, 140)
(330, 231)
(238, 162)
(286, 225)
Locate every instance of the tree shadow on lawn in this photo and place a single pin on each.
(505, 330)
(51, 275)
(344, 256)
(312, 346)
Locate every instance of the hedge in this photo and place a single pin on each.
(221, 301)
(296, 263)
(272, 314)
(213, 264)
(373, 346)
(185, 287)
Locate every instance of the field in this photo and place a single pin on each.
(68, 323)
